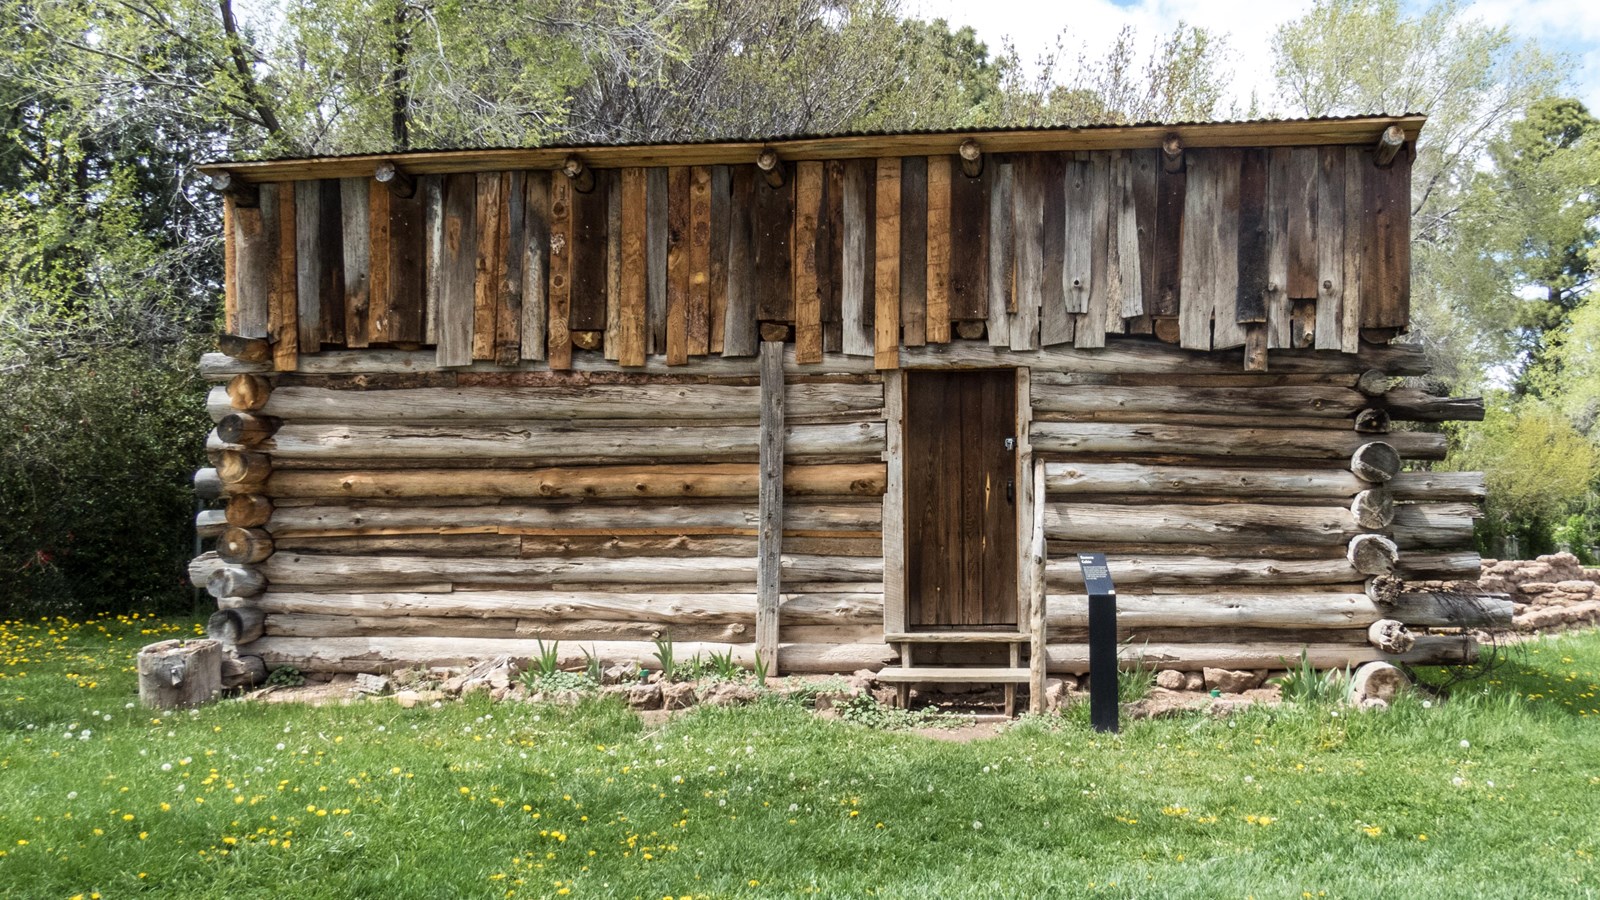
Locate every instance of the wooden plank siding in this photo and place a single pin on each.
(1276, 247)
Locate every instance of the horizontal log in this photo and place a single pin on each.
(561, 606)
(373, 654)
(235, 581)
(580, 630)
(1439, 486)
(1376, 461)
(248, 510)
(246, 429)
(1373, 554)
(1098, 437)
(812, 543)
(246, 392)
(1444, 609)
(1412, 405)
(1246, 523)
(1434, 525)
(1196, 570)
(586, 482)
(1390, 636)
(1373, 509)
(408, 544)
(210, 523)
(207, 484)
(242, 467)
(1074, 478)
(677, 519)
(244, 546)
(1267, 610)
(355, 571)
(235, 626)
(419, 441)
(1460, 566)
(1428, 650)
(600, 401)
(1120, 355)
(1323, 401)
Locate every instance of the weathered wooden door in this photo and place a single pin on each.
(960, 504)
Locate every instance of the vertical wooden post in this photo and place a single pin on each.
(894, 522)
(1037, 551)
(769, 564)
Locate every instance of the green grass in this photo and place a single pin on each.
(478, 800)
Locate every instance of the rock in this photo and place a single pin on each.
(612, 690)
(1537, 587)
(1171, 679)
(619, 674)
(829, 699)
(644, 696)
(729, 693)
(1194, 681)
(371, 684)
(1584, 588)
(887, 696)
(407, 699)
(498, 693)
(1230, 681)
(1055, 694)
(677, 695)
(1373, 703)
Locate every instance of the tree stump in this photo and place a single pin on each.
(179, 674)
(1376, 681)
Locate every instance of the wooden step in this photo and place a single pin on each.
(952, 674)
(955, 637)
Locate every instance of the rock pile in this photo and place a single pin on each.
(1548, 593)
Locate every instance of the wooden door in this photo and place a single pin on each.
(960, 505)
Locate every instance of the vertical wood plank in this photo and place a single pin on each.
(1250, 300)
(536, 264)
(256, 240)
(1144, 165)
(969, 251)
(284, 321)
(1055, 323)
(486, 277)
(1386, 236)
(914, 250)
(357, 259)
(586, 255)
(1330, 248)
(1113, 243)
(319, 263)
(721, 197)
(1171, 203)
(1199, 250)
(1091, 327)
(431, 189)
(379, 248)
(740, 328)
(513, 239)
(558, 334)
(808, 190)
(677, 265)
(1126, 210)
(1025, 502)
(613, 266)
(856, 285)
(1078, 213)
(407, 272)
(699, 261)
(656, 205)
(894, 523)
(230, 268)
(774, 221)
(1226, 332)
(458, 260)
(886, 274)
(830, 256)
(938, 278)
(1354, 251)
(631, 325)
(769, 564)
(1028, 238)
(1279, 308)
(1001, 177)
(1302, 223)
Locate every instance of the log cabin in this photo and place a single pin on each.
(835, 403)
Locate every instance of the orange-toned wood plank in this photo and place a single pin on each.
(284, 318)
(807, 299)
(230, 270)
(699, 299)
(886, 280)
(379, 246)
(678, 265)
(486, 266)
(513, 239)
(938, 250)
(559, 335)
(721, 196)
(631, 315)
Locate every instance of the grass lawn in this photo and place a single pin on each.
(1494, 793)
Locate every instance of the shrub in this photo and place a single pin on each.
(97, 457)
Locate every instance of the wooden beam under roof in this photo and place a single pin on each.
(1304, 132)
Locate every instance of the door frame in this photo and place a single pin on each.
(895, 607)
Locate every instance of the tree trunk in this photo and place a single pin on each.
(179, 674)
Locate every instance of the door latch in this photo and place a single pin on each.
(1010, 444)
(1011, 490)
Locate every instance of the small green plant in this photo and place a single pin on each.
(864, 709)
(286, 676)
(1134, 682)
(724, 666)
(556, 682)
(664, 657)
(591, 666)
(1303, 684)
(548, 661)
(761, 671)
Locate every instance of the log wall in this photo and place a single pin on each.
(381, 510)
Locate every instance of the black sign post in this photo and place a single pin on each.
(1103, 710)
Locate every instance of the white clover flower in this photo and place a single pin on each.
(166, 767)
(1465, 744)
(279, 745)
(72, 795)
(976, 825)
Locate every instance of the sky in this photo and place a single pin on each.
(1563, 26)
